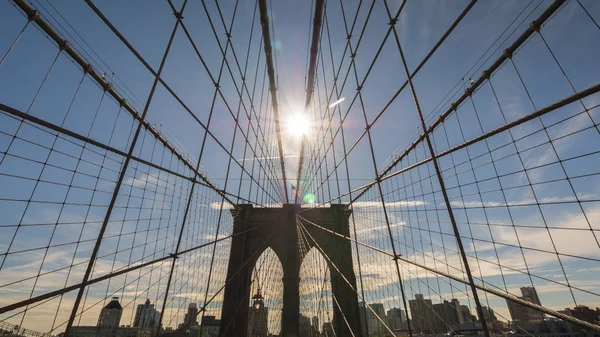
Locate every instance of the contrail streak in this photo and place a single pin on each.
(337, 102)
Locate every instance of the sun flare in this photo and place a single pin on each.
(298, 125)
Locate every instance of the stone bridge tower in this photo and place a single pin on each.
(276, 228)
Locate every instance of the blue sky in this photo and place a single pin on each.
(529, 166)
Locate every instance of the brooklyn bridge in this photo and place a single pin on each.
(227, 168)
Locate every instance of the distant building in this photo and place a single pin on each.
(308, 327)
(108, 322)
(362, 316)
(583, 313)
(421, 311)
(466, 316)
(191, 317)
(258, 317)
(146, 317)
(498, 325)
(328, 330)
(548, 328)
(375, 317)
(370, 324)
(210, 326)
(128, 331)
(304, 326)
(446, 315)
(110, 315)
(488, 314)
(521, 313)
(84, 331)
(396, 319)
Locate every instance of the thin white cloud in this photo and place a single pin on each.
(389, 204)
(145, 180)
(476, 204)
(219, 205)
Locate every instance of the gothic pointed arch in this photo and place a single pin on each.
(285, 230)
(316, 300)
(266, 290)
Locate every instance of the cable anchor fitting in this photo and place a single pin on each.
(535, 26)
(33, 16)
(469, 91)
(63, 45)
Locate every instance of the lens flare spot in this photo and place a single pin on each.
(309, 198)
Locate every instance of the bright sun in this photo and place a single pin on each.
(298, 125)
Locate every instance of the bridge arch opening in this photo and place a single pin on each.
(316, 298)
(266, 295)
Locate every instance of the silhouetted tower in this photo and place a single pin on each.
(258, 317)
(191, 318)
(421, 310)
(521, 313)
(146, 316)
(110, 317)
(315, 323)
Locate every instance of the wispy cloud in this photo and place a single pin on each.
(389, 204)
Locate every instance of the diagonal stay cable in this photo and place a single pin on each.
(484, 76)
(343, 277)
(441, 182)
(120, 179)
(336, 88)
(414, 73)
(552, 107)
(98, 78)
(346, 237)
(264, 21)
(116, 273)
(43, 124)
(225, 63)
(275, 234)
(496, 292)
(418, 68)
(312, 69)
(353, 55)
(166, 86)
